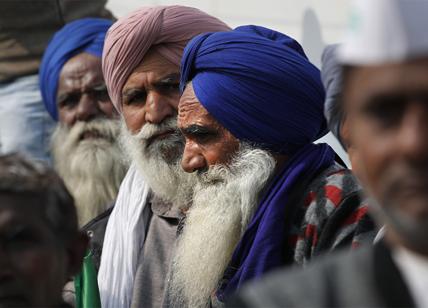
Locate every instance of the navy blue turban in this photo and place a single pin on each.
(83, 35)
(259, 84)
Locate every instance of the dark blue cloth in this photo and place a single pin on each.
(258, 84)
(263, 245)
(83, 35)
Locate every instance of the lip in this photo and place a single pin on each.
(160, 136)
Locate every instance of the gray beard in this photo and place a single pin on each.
(413, 231)
(92, 169)
(225, 198)
(159, 162)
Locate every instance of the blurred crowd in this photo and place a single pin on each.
(163, 159)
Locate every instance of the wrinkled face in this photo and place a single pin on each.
(82, 93)
(151, 93)
(207, 142)
(387, 109)
(33, 265)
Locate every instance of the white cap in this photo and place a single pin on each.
(384, 31)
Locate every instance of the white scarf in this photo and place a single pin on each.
(124, 238)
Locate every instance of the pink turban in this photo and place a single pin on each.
(166, 28)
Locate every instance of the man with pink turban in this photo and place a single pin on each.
(141, 61)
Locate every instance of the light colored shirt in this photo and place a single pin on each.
(414, 268)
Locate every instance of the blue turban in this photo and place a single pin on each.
(259, 84)
(83, 35)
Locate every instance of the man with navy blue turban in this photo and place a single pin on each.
(85, 145)
(266, 196)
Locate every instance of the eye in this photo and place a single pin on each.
(135, 98)
(21, 238)
(69, 101)
(386, 111)
(169, 87)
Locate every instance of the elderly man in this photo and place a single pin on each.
(385, 62)
(141, 66)
(85, 143)
(40, 245)
(266, 195)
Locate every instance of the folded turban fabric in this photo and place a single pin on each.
(83, 35)
(331, 74)
(164, 28)
(259, 85)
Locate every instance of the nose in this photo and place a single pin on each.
(158, 108)
(87, 109)
(192, 159)
(413, 137)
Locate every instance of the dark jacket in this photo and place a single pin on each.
(96, 230)
(366, 278)
(26, 26)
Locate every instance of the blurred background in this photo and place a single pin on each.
(314, 23)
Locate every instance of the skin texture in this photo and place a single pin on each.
(82, 94)
(151, 93)
(387, 109)
(34, 263)
(207, 142)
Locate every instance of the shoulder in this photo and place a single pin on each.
(334, 214)
(324, 283)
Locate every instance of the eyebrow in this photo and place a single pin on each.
(97, 87)
(167, 79)
(196, 129)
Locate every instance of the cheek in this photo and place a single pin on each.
(221, 152)
(108, 110)
(134, 118)
(66, 117)
(370, 154)
(40, 270)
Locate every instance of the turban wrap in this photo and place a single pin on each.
(83, 35)
(259, 85)
(166, 29)
(331, 74)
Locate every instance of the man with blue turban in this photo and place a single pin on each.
(85, 146)
(266, 196)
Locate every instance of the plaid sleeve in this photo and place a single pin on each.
(333, 215)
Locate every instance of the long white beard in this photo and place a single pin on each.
(224, 201)
(93, 168)
(159, 162)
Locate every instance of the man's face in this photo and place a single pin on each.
(151, 93)
(82, 93)
(150, 99)
(207, 142)
(33, 264)
(387, 109)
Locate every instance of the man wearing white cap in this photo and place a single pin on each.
(385, 66)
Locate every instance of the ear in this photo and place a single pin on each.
(76, 252)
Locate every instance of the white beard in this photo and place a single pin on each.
(92, 168)
(159, 162)
(225, 198)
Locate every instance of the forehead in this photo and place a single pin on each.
(82, 70)
(20, 207)
(191, 111)
(405, 78)
(153, 66)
